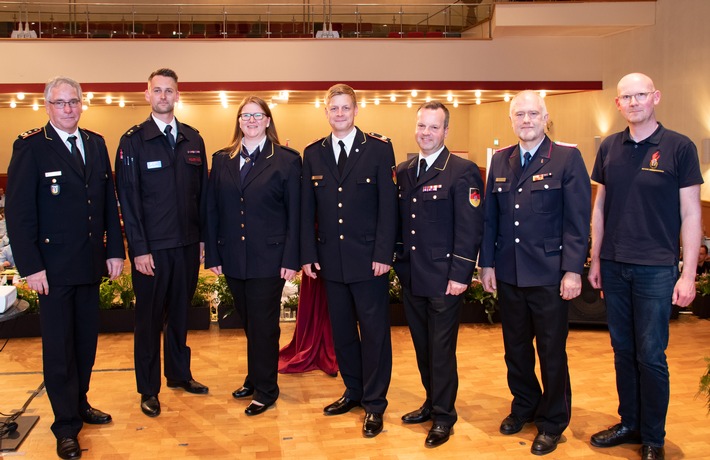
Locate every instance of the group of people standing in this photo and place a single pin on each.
(347, 214)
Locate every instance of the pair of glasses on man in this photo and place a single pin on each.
(258, 116)
(640, 97)
(74, 103)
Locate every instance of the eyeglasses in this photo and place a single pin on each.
(258, 116)
(344, 109)
(640, 97)
(74, 103)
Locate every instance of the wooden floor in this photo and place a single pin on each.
(215, 426)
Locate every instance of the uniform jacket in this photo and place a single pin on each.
(58, 215)
(253, 228)
(536, 222)
(162, 192)
(356, 215)
(441, 224)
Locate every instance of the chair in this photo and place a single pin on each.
(436, 34)
(394, 35)
(415, 34)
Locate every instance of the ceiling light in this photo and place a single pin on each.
(409, 103)
(179, 104)
(450, 97)
(506, 98)
(478, 102)
(272, 105)
(477, 93)
(377, 101)
(84, 107)
(222, 95)
(35, 107)
(317, 103)
(109, 99)
(414, 93)
(456, 103)
(393, 98)
(428, 99)
(543, 93)
(225, 104)
(89, 96)
(363, 103)
(121, 103)
(13, 104)
(20, 96)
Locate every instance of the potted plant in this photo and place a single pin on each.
(397, 316)
(701, 304)
(289, 305)
(27, 324)
(198, 316)
(226, 312)
(704, 388)
(479, 306)
(116, 305)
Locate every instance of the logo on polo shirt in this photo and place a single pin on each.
(654, 159)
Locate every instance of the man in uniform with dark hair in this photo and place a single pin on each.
(534, 247)
(161, 175)
(348, 191)
(441, 223)
(62, 214)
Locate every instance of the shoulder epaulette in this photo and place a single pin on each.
(93, 132)
(192, 128)
(29, 133)
(503, 148)
(565, 144)
(290, 150)
(379, 137)
(133, 130)
(315, 141)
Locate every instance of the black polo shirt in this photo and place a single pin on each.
(642, 206)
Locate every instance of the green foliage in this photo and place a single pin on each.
(124, 288)
(116, 294)
(28, 295)
(203, 291)
(395, 288)
(476, 294)
(107, 292)
(290, 302)
(702, 285)
(704, 387)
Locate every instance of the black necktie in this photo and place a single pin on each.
(422, 168)
(342, 158)
(248, 162)
(168, 133)
(75, 153)
(527, 157)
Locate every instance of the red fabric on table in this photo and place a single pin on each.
(311, 347)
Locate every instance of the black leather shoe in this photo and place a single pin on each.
(513, 424)
(372, 425)
(95, 417)
(191, 386)
(418, 416)
(544, 443)
(242, 392)
(438, 435)
(68, 448)
(341, 406)
(256, 409)
(150, 405)
(652, 453)
(616, 435)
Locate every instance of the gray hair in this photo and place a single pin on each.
(57, 81)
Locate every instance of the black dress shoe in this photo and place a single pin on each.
(513, 424)
(68, 448)
(544, 443)
(150, 405)
(438, 435)
(418, 416)
(191, 386)
(340, 406)
(616, 435)
(256, 409)
(652, 453)
(372, 425)
(95, 417)
(242, 392)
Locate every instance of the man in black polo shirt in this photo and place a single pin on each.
(648, 197)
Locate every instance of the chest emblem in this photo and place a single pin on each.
(654, 159)
(474, 197)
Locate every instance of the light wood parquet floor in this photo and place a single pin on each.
(215, 426)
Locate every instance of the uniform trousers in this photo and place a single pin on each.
(537, 313)
(364, 354)
(434, 325)
(162, 301)
(258, 302)
(69, 317)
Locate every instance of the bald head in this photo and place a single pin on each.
(635, 80)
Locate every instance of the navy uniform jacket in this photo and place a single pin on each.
(57, 215)
(163, 193)
(537, 222)
(441, 220)
(356, 215)
(253, 228)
